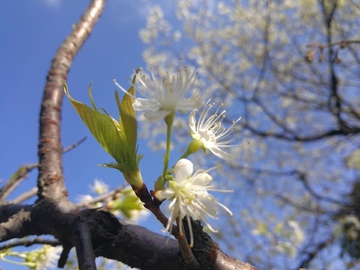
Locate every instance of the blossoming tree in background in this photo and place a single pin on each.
(291, 70)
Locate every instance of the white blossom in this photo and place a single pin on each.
(190, 197)
(46, 257)
(163, 96)
(99, 187)
(210, 131)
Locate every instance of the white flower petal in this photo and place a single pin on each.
(183, 169)
(141, 104)
(187, 104)
(202, 179)
(164, 194)
(192, 121)
(209, 204)
(155, 116)
(221, 154)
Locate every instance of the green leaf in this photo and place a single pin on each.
(103, 127)
(122, 167)
(278, 228)
(127, 116)
(18, 172)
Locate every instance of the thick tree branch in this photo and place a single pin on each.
(51, 179)
(131, 244)
(83, 241)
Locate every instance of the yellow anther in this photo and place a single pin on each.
(231, 191)
(114, 80)
(224, 116)
(240, 117)
(191, 246)
(162, 230)
(150, 67)
(132, 66)
(180, 58)
(196, 66)
(216, 231)
(223, 128)
(181, 234)
(166, 244)
(222, 104)
(233, 122)
(231, 215)
(210, 78)
(217, 218)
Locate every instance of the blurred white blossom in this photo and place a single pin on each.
(99, 187)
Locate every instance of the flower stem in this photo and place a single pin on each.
(169, 120)
(193, 147)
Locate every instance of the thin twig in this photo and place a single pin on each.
(18, 177)
(342, 43)
(74, 145)
(25, 196)
(30, 242)
(102, 197)
(188, 256)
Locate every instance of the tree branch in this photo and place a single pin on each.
(67, 149)
(102, 197)
(51, 179)
(16, 179)
(30, 242)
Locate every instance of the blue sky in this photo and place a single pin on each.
(30, 34)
